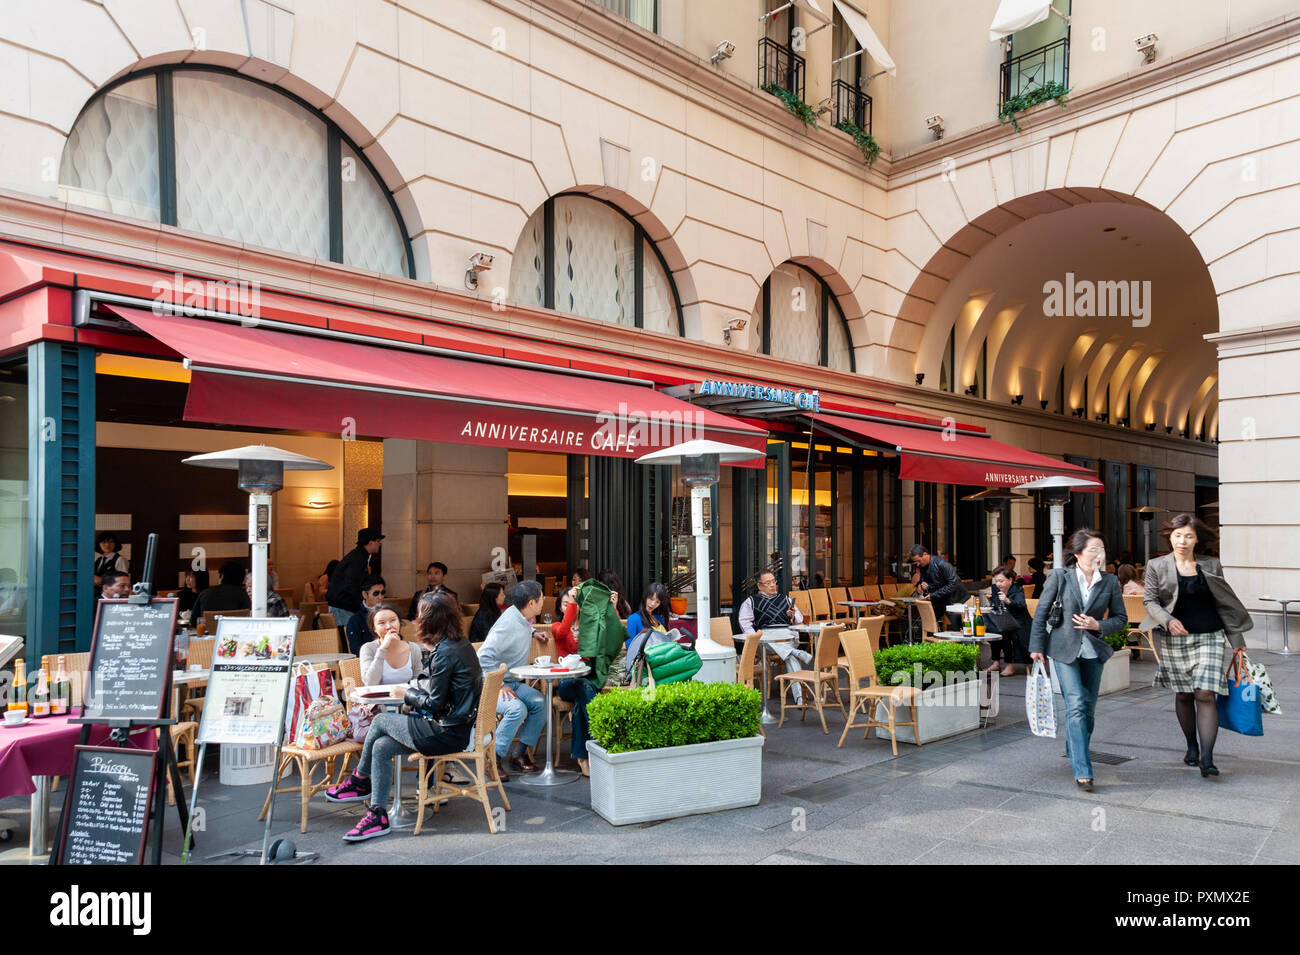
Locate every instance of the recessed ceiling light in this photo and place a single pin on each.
(1109, 228)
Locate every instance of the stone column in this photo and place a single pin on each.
(444, 502)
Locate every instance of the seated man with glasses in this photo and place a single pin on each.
(358, 628)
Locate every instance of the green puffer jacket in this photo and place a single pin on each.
(600, 632)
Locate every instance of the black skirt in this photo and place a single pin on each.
(433, 739)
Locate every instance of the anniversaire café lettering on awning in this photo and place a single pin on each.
(461, 442)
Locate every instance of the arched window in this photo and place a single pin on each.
(583, 256)
(215, 152)
(797, 318)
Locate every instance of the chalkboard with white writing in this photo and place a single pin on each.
(130, 659)
(107, 810)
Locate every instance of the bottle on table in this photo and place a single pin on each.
(61, 695)
(40, 701)
(979, 624)
(18, 692)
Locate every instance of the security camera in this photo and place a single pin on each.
(935, 125)
(478, 262)
(824, 106)
(1146, 45)
(734, 325)
(723, 51)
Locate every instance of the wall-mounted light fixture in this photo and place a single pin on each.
(920, 377)
(973, 390)
(1151, 425)
(1079, 412)
(1169, 429)
(1018, 399)
(1043, 404)
(317, 505)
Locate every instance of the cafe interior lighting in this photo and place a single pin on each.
(1018, 399)
(1043, 404)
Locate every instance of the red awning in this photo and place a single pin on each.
(953, 457)
(259, 377)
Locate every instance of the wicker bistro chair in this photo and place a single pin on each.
(833, 596)
(199, 653)
(305, 760)
(802, 602)
(874, 626)
(822, 677)
(211, 617)
(858, 593)
(479, 763)
(747, 672)
(316, 641)
(862, 666)
(1029, 590)
(720, 631)
(821, 605)
(183, 740)
(1136, 611)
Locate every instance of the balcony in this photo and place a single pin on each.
(781, 66)
(851, 105)
(644, 13)
(1036, 70)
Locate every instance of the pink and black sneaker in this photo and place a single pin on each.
(372, 825)
(350, 790)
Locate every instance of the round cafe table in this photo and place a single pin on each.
(390, 698)
(550, 776)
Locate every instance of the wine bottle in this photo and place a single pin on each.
(41, 695)
(61, 697)
(18, 692)
(979, 624)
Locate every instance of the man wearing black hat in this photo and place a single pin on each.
(344, 594)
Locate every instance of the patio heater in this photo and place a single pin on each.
(1147, 513)
(261, 473)
(993, 498)
(701, 462)
(1056, 491)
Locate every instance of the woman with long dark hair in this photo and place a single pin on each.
(1077, 645)
(1195, 615)
(444, 703)
(490, 605)
(651, 613)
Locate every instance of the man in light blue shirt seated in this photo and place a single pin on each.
(508, 642)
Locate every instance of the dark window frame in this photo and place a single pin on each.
(640, 241)
(335, 138)
(823, 344)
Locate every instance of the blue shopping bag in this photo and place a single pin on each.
(1242, 709)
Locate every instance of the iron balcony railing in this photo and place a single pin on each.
(851, 104)
(1047, 64)
(780, 65)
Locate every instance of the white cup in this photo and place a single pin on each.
(542, 661)
(14, 717)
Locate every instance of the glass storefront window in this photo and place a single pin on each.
(14, 513)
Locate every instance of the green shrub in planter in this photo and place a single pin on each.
(939, 662)
(673, 714)
(1119, 639)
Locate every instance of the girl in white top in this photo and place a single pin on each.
(388, 659)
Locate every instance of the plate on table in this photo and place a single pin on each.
(375, 695)
(4, 722)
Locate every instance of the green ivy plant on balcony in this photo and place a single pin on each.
(866, 142)
(1029, 99)
(794, 104)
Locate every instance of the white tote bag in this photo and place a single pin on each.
(1039, 703)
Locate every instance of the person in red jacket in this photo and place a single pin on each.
(565, 631)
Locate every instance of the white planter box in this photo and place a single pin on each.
(1114, 674)
(675, 780)
(941, 711)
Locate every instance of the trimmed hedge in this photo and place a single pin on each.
(941, 658)
(673, 714)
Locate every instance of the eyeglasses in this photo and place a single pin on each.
(376, 593)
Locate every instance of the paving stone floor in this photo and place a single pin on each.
(995, 795)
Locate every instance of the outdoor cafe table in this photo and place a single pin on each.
(390, 698)
(766, 641)
(35, 751)
(550, 776)
(957, 636)
(909, 602)
(857, 606)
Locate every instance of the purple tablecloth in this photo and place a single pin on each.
(44, 747)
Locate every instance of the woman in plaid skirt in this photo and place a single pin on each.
(1195, 615)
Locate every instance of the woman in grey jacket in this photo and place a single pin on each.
(1076, 647)
(1192, 644)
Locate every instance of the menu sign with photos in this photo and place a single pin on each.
(130, 657)
(249, 680)
(108, 806)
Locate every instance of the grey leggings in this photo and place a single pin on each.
(389, 736)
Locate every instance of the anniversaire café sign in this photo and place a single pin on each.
(803, 400)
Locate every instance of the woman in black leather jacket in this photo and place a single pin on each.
(444, 703)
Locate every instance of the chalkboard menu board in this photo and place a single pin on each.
(130, 660)
(107, 810)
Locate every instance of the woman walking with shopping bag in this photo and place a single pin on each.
(1194, 615)
(1069, 628)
